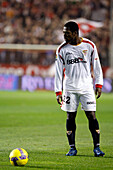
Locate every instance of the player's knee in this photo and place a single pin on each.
(70, 125)
(90, 115)
(71, 115)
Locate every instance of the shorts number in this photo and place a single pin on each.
(66, 99)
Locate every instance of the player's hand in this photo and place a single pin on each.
(98, 92)
(59, 99)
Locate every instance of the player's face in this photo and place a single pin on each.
(68, 35)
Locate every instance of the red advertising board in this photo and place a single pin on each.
(34, 70)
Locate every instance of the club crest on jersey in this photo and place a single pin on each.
(84, 52)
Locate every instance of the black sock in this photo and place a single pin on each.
(94, 129)
(71, 127)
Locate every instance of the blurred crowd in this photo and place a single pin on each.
(41, 22)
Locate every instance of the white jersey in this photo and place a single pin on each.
(76, 60)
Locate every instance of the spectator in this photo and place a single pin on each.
(34, 22)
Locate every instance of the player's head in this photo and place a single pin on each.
(70, 30)
(72, 26)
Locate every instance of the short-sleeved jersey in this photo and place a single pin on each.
(76, 60)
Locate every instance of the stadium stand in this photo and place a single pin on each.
(37, 22)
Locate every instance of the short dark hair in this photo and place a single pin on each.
(72, 26)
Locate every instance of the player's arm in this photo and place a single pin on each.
(59, 64)
(59, 97)
(98, 90)
(97, 73)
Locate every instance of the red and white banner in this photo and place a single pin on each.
(86, 26)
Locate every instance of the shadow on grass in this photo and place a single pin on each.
(105, 157)
(27, 166)
(43, 167)
(58, 154)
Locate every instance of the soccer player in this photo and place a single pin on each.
(74, 60)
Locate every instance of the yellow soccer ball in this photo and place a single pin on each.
(18, 157)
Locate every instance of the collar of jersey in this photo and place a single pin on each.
(77, 44)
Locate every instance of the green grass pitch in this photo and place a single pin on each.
(35, 122)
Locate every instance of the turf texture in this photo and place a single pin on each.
(35, 122)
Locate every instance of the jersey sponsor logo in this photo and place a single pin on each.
(93, 102)
(76, 60)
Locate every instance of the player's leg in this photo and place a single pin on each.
(70, 105)
(71, 128)
(94, 129)
(88, 102)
